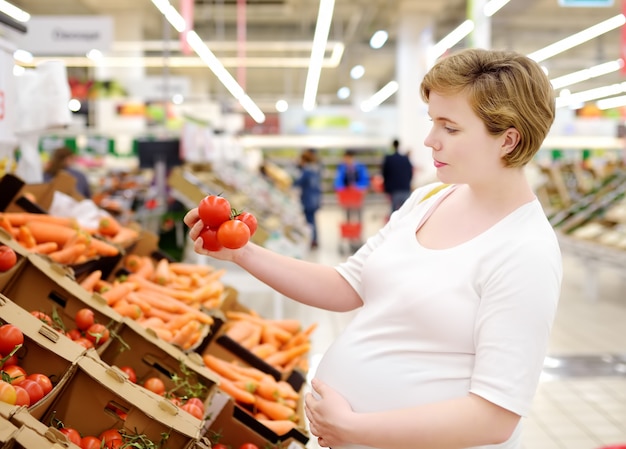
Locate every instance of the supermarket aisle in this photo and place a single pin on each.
(579, 405)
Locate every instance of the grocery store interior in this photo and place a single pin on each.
(162, 102)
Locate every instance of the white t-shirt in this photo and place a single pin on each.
(438, 324)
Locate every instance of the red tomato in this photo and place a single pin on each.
(114, 444)
(209, 239)
(250, 221)
(193, 410)
(214, 210)
(176, 401)
(98, 334)
(10, 337)
(155, 385)
(233, 234)
(130, 372)
(34, 390)
(21, 395)
(111, 435)
(84, 342)
(196, 401)
(248, 446)
(41, 316)
(71, 434)
(219, 446)
(7, 393)
(90, 442)
(16, 374)
(44, 382)
(8, 258)
(84, 318)
(13, 360)
(74, 334)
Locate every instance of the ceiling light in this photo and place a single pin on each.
(95, 55)
(282, 105)
(387, 91)
(178, 99)
(357, 72)
(170, 13)
(609, 103)
(23, 56)
(452, 39)
(578, 38)
(378, 39)
(14, 12)
(322, 28)
(493, 7)
(585, 74)
(591, 94)
(74, 105)
(343, 93)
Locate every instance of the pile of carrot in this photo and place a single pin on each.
(62, 239)
(283, 343)
(166, 297)
(273, 403)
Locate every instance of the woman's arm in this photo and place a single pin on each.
(308, 283)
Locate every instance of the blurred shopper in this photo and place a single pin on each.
(397, 172)
(310, 183)
(351, 173)
(63, 159)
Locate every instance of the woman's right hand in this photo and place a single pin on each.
(196, 226)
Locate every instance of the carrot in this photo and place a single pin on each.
(238, 394)
(21, 218)
(292, 326)
(274, 410)
(125, 236)
(301, 337)
(193, 339)
(89, 281)
(162, 273)
(67, 255)
(222, 367)
(268, 390)
(251, 372)
(50, 232)
(118, 291)
(6, 224)
(162, 314)
(188, 269)
(25, 237)
(253, 339)
(109, 226)
(264, 350)
(239, 330)
(79, 236)
(134, 299)
(149, 285)
(150, 322)
(171, 305)
(45, 247)
(180, 321)
(103, 248)
(124, 308)
(282, 357)
(286, 390)
(278, 426)
(208, 291)
(163, 334)
(185, 333)
(132, 262)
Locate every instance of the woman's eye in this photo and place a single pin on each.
(449, 130)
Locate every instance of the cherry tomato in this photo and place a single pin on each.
(193, 410)
(34, 390)
(114, 444)
(233, 234)
(196, 401)
(214, 210)
(90, 442)
(110, 435)
(176, 401)
(21, 396)
(130, 372)
(7, 393)
(13, 360)
(84, 342)
(84, 318)
(97, 333)
(248, 446)
(41, 316)
(44, 381)
(10, 337)
(155, 385)
(74, 334)
(16, 374)
(72, 434)
(250, 221)
(209, 239)
(8, 258)
(219, 446)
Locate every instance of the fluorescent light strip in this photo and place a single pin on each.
(210, 60)
(322, 28)
(14, 12)
(610, 103)
(585, 74)
(375, 100)
(452, 39)
(591, 94)
(493, 7)
(578, 38)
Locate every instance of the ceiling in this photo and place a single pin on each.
(521, 25)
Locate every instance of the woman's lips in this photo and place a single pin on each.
(438, 164)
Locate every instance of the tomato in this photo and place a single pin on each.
(8, 258)
(114, 444)
(209, 239)
(193, 410)
(248, 446)
(13, 360)
(196, 401)
(7, 393)
(21, 396)
(41, 316)
(90, 442)
(250, 221)
(110, 435)
(155, 385)
(219, 446)
(34, 390)
(10, 337)
(84, 318)
(214, 210)
(130, 372)
(44, 381)
(233, 234)
(98, 334)
(16, 374)
(84, 342)
(72, 434)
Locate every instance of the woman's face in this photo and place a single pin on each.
(462, 149)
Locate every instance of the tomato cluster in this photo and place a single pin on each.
(224, 226)
(17, 387)
(8, 258)
(108, 439)
(87, 333)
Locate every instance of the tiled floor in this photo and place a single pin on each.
(582, 412)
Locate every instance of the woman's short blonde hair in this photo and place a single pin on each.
(505, 89)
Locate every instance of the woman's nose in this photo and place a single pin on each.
(429, 141)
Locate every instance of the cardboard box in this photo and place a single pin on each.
(7, 430)
(17, 195)
(44, 286)
(99, 397)
(44, 351)
(150, 356)
(22, 418)
(27, 438)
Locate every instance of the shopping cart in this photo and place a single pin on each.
(351, 201)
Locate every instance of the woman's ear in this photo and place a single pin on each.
(511, 139)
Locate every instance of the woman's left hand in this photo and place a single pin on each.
(328, 413)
